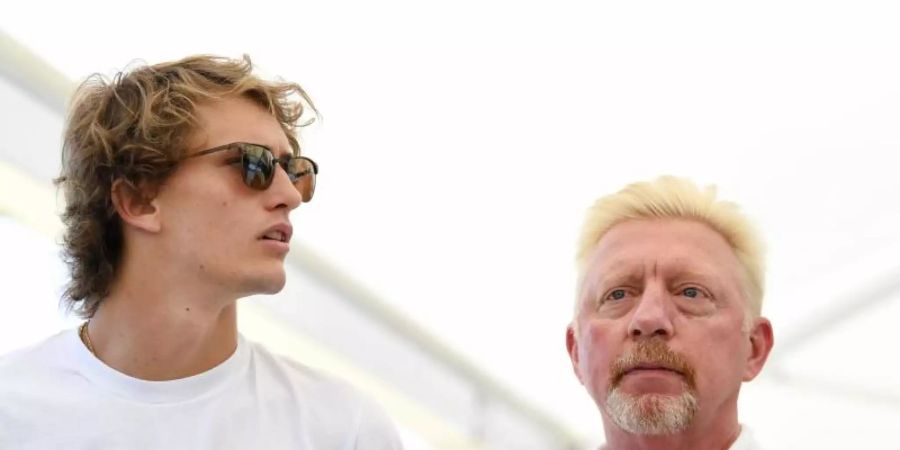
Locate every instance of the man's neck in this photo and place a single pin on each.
(716, 433)
(162, 328)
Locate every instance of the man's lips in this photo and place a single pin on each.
(280, 232)
(651, 368)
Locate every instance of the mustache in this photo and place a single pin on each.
(653, 353)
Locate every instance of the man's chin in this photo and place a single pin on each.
(651, 413)
(274, 286)
(265, 284)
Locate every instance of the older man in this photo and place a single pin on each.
(667, 320)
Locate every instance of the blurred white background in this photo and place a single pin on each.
(462, 142)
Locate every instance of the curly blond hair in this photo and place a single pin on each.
(134, 128)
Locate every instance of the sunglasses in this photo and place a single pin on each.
(258, 167)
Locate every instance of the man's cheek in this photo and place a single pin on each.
(599, 364)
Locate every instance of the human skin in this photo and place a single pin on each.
(192, 250)
(678, 281)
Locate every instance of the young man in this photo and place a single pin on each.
(179, 179)
(667, 322)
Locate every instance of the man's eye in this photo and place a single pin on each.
(691, 292)
(616, 294)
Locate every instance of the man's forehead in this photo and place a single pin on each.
(237, 119)
(635, 247)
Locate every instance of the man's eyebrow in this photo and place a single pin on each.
(619, 272)
(689, 273)
(633, 271)
(686, 268)
(281, 153)
(705, 277)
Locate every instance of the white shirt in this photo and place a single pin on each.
(745, 441)
(58, 395)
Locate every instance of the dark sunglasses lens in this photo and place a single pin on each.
(303, 174)
(259, 167)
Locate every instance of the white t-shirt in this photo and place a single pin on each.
(57, 395)
(745, 441)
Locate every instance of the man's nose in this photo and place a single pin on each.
(283, 193)
(652, 316)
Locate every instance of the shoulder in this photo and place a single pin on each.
(746, 440)
(45, 356)
(329, 399)
(312, 385)
(34, 384)
(282, 370)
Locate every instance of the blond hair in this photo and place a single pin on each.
(673, 197)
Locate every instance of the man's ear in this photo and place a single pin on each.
(572, 348)
(761, 342)
(135, 207)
